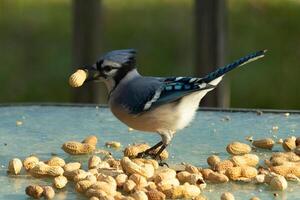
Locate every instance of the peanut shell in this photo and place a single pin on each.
(60, 182)
(247, 159)
(249, 172)
(234, 173)
(56, 161)
(139, 180)
(227, 196)
(104, 186)
(213, 160)
(77, 79)
(42, 169)
(289, 144)
(183, 176)
(71, 166)
(139, 195)
(15, 166)
(77, 148)
(82, 186)
(216, 177)
(155, 195)
(223, 165)
(266, 143)
(92, 140)
(34, 191)
(164, 174)
(48, 192)
(30, 162)
(278, 183)
(113, 144)
(130, 167)
(129, 185)
(121, 179)
(93, 162)
(238, 148)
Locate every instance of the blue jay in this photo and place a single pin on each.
(154, 104)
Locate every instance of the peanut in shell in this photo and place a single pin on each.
(238, 148)
(15, 166)
(266, 143)
(77, 148)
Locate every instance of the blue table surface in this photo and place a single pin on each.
(45, 128)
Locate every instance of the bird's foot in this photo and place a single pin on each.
(143, 154)
(162, 164)
(146, 154)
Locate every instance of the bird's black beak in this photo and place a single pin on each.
(93, 74)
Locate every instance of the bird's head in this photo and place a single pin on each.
(111, 68)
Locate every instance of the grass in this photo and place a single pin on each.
(36, 38)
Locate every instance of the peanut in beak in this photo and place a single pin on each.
(77, 79)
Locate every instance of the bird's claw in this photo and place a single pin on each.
(162, 164)
(142, 155)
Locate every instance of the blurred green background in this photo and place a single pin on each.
(36, 42)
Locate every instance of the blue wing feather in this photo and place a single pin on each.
(169, 90)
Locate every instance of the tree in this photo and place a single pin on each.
(210, 46)
(86, 47)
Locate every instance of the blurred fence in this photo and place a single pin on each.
(36, 40)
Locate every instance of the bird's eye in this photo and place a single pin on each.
(107, 68)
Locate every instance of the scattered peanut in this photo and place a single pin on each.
(104, 186)
(60, 182)
(48, 192)
(30, 162)
(266, 143)
(56, 161)
(238, 148)
(15, 166)
(121, 179)
(113, 144)
(129, 185)
(155, 195)
(284, 170)
(183, 191)
(133, 150)
(139, 195)
(213, 160)
(278, 183)
(41, 169)
(72, 166)
(289, 144)
(227, 196)
(82, 186)
(164, 174)
(77, 148)
(222, 166)
(92, 140)
(130, 167)
(247, 159)
(34, 191)
(216, 177)
(93, 162)
(139, 180)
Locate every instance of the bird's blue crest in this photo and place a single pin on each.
(123, 57)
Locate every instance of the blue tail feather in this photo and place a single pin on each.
(223, 70)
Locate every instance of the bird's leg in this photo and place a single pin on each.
(166, 140)
(147, 152)
(157, 155)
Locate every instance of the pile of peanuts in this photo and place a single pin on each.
(142, 179)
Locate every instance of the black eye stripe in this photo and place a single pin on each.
(109, 68)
